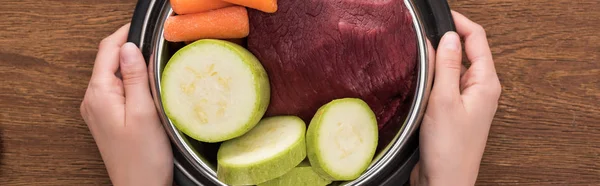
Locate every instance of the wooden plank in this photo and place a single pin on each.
(546, 131)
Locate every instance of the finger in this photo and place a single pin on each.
(107, 59)
(463, 69)
(135, 76)
(476, 43)
(448, 64)
(431, 59)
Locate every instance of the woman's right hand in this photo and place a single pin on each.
(120, 113)
(461, 108)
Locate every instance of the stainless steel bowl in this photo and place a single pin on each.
(195, 162)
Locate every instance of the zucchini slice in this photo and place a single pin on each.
(214, 90)
(301, 175)
(342, 139)
(274, 147)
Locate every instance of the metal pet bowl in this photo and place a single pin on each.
(195, 162)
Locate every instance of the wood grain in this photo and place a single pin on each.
(47, 49)
(547, 128)
(546, 131)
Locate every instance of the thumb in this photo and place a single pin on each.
(135, 75)
(448, 64)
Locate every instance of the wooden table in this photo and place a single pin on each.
(546, 132)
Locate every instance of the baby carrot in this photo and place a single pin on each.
(268, 6)
(197, 6)
(225, 23)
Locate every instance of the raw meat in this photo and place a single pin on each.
(315, 51)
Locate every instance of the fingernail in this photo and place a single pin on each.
(128, 53)
(451, 41)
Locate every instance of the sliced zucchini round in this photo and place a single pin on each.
(301, 175)
(342, 139)
(214, 90)
(271, 149)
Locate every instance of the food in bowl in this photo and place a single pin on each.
(344, 68)
(229, 22)
(303, 174)
(214, 90)
(319, 50)
(342, 138)
(271, 149)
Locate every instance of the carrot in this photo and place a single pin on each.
(197, 6)
(225, 23)
(268, 6)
